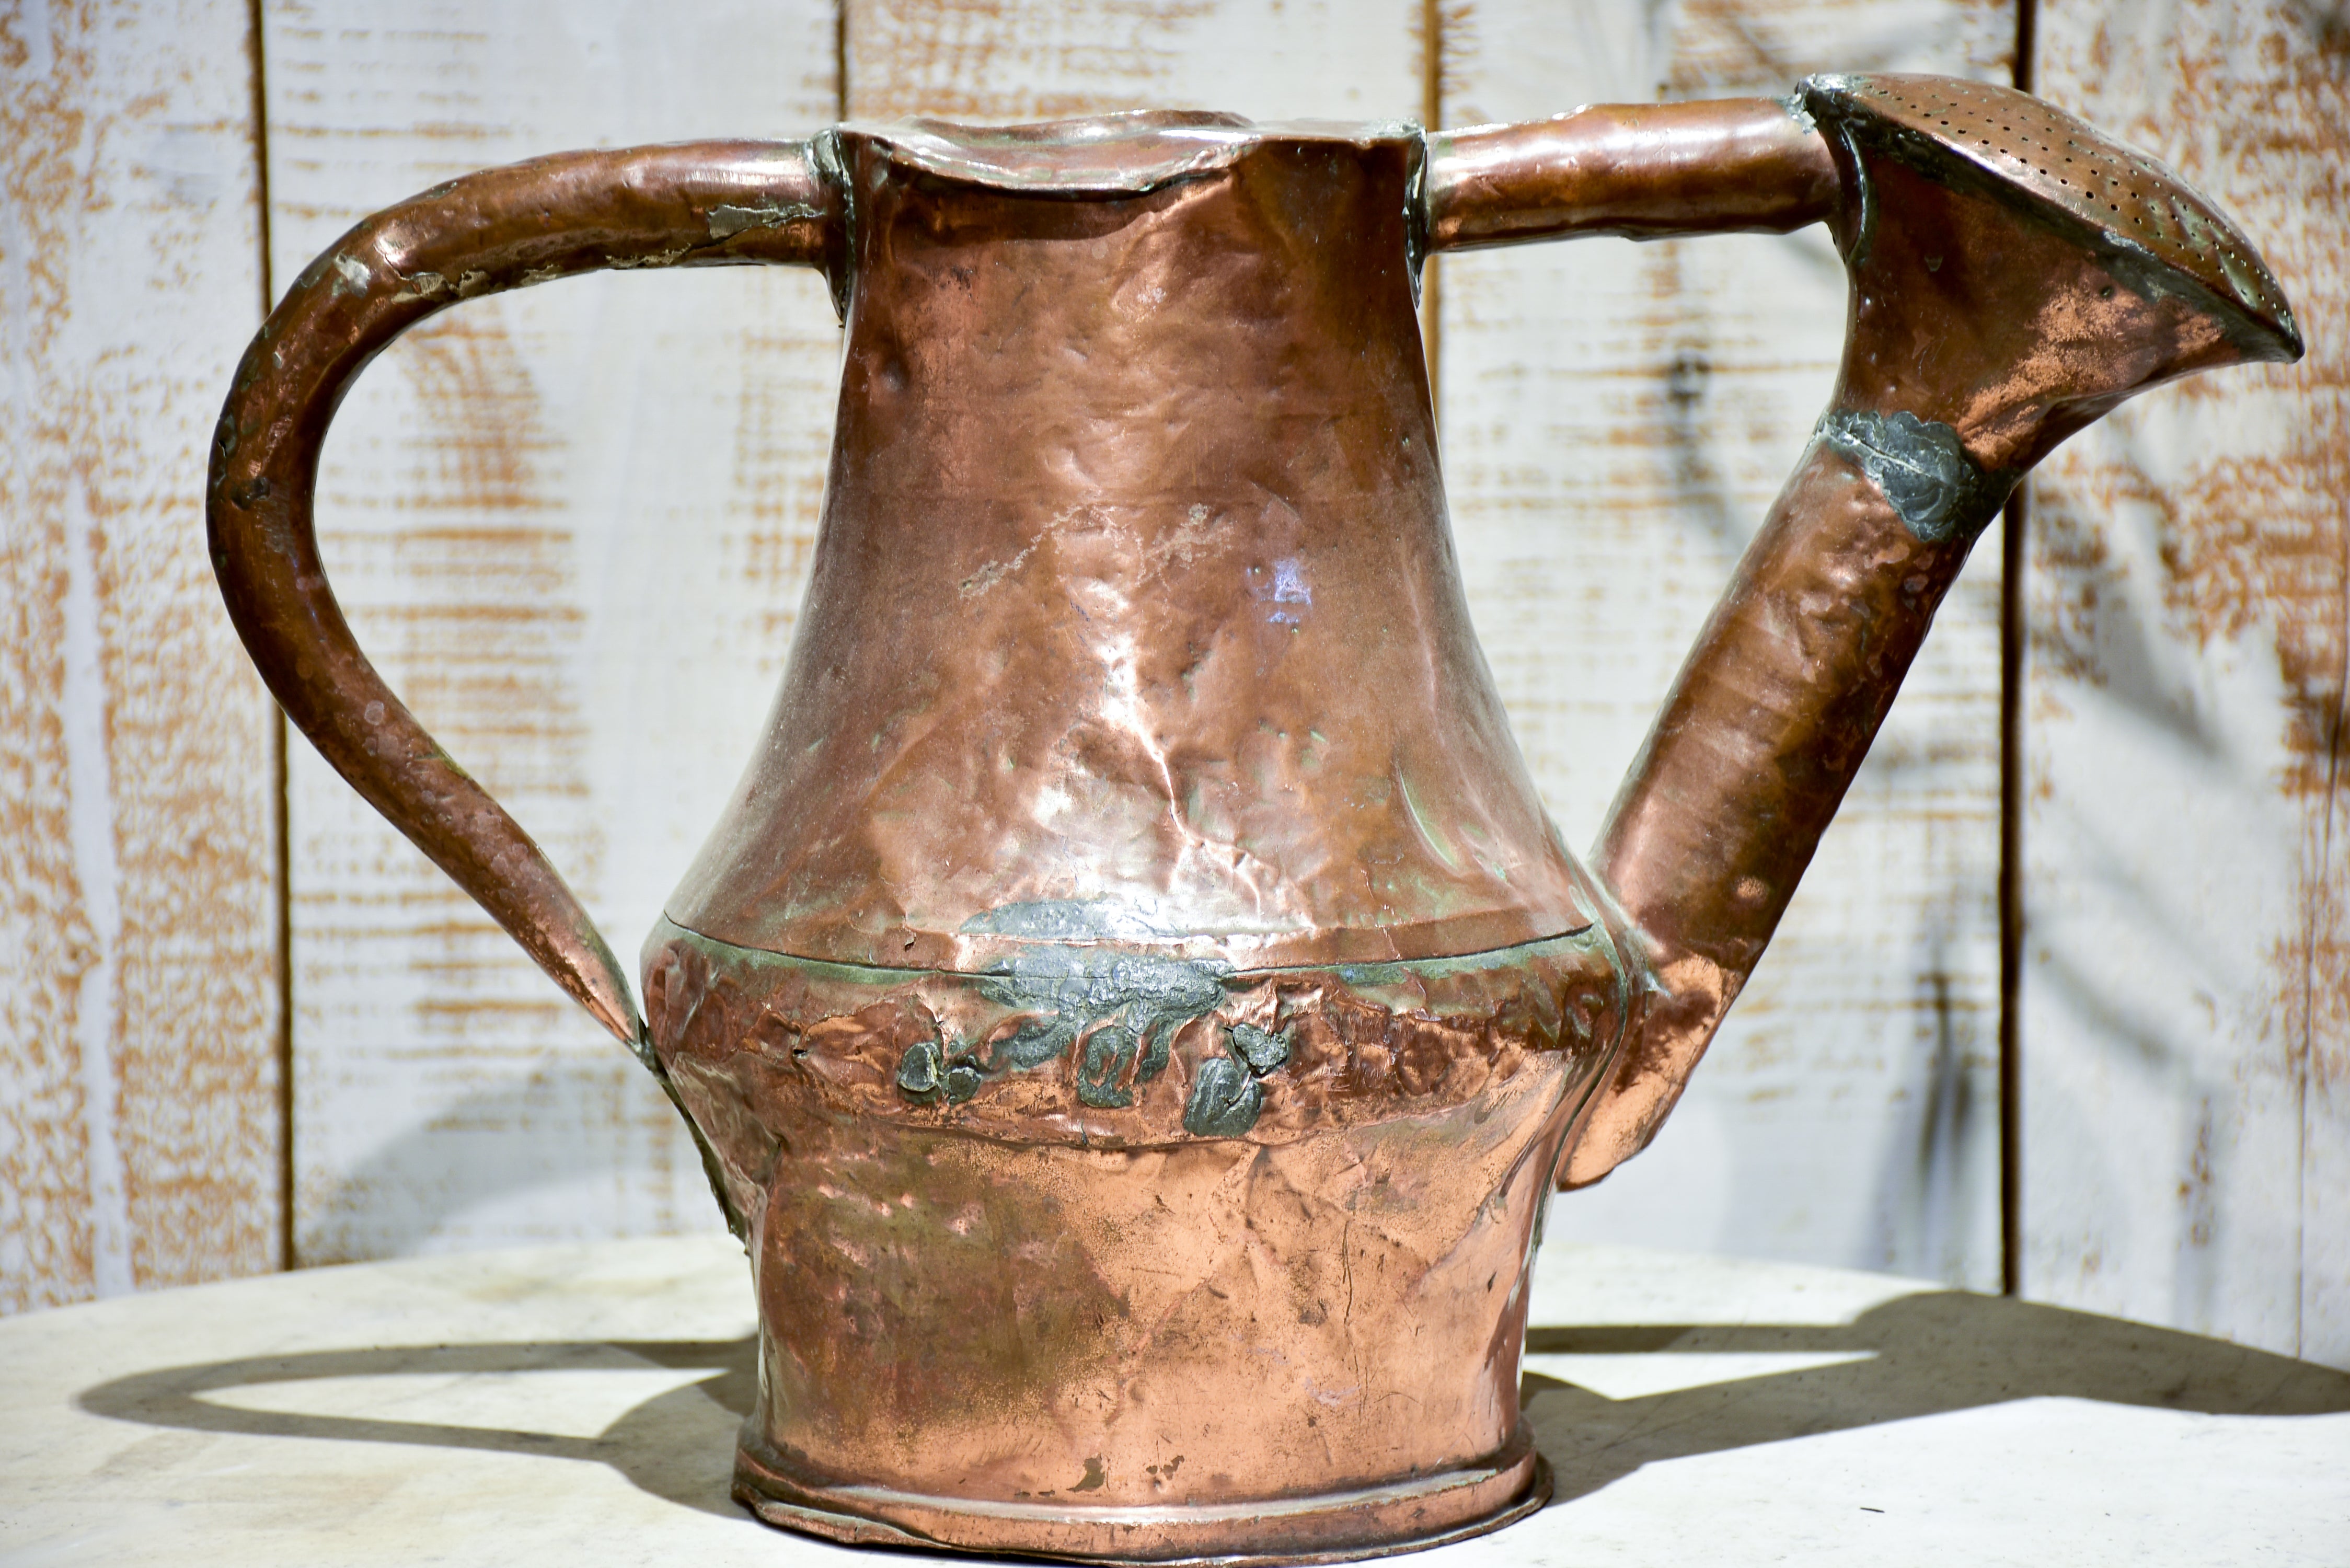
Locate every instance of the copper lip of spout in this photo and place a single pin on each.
(1135, 1008)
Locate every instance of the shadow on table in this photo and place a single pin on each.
(1925, 1354)
(677, 1444)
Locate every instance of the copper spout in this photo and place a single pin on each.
(2013, 277)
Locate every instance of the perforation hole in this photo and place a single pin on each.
(2106, 186)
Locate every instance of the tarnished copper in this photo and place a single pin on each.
(1644, 171)
(1134, 1005)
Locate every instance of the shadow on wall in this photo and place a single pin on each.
(1926, 1355)
(1938, 1176)
(585, 1147)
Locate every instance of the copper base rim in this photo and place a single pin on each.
(1333, 1527)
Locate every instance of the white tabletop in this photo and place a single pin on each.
(577, 1406)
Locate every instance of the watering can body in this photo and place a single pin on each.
(1134, 1007)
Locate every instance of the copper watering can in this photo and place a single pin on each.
(1135, 1007)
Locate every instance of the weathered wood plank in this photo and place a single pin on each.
(571, 526)
(1617, 418)
(986, 58)
(139, 1124)
(2187, 993)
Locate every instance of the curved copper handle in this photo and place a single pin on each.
(695, 204)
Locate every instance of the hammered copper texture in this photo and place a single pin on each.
(1138, 930)
(1044, 1288)
(1107, 710)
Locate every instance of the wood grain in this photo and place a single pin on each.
(571, 526)
(138, 1126)
(2187, 993)
(1336, 59)
(1615, 419)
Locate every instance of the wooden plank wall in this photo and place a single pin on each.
(138, 1110)
(2187, 996)
(572, 526)
(1339, 60)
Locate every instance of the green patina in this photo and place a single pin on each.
(1114, 1013)
(1225, 1100)
(1120, 1009)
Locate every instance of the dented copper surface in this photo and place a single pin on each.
(1134, 1006)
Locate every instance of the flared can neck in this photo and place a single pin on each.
(1134, 615)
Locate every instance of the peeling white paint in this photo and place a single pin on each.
(91, 822)
(422, 286)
